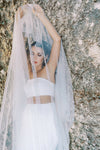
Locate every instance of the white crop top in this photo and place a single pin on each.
(39, 86)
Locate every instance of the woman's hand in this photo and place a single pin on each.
(21, 13)
(37, 10)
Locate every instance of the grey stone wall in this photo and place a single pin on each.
(78, 24)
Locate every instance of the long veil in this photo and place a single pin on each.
(28, 31)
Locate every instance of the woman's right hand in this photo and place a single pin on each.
(21, 13)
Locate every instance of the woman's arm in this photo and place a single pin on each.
(53, 33)
(55, 51)
(21, 12)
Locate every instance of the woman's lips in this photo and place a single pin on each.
(35, 62)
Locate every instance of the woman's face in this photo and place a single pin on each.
(38, 56)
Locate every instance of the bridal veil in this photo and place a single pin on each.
(27, 32)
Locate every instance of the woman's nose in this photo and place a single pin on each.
(35, 57)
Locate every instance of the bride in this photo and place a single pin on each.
(37, 108)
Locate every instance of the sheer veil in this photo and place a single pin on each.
(25, 31)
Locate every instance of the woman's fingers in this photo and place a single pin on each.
(20, 11)
(37, 10)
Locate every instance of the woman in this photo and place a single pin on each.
(37, 108)
(52, 64)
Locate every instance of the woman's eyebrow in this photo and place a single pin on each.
(39, 52)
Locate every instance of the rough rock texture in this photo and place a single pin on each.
(78, 24)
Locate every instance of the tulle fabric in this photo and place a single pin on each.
(15, 109)
(39, 130)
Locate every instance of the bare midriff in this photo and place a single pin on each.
(43, 99)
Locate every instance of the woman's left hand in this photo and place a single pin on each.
(37, 10)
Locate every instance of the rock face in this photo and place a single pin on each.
(78, 24)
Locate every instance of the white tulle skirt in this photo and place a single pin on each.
(39, 128)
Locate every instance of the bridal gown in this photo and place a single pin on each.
(40, 128)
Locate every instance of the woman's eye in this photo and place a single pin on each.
(39, 54)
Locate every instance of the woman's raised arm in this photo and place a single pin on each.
(55, 51)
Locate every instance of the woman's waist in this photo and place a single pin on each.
(41, 100)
